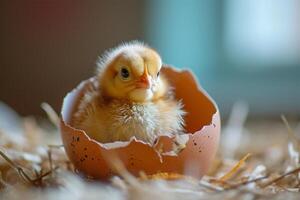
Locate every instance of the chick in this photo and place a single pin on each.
(130, 98)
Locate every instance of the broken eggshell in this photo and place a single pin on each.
(202, 123)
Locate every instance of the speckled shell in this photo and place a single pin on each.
(202, 122)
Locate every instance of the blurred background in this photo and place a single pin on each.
(240, 50)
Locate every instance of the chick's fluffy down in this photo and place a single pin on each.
(119, 120)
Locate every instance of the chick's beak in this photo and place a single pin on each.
(144, 82)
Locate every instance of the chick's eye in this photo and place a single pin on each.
(157, 74)
(125, 73)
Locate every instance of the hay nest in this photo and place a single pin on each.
(256, 161)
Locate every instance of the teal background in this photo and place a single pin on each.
(189, 34)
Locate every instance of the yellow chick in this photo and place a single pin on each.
(130, 98)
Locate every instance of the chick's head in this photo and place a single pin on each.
(132, 72)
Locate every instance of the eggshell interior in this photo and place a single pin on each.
(202, 124)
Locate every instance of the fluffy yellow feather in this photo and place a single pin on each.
(130, 98)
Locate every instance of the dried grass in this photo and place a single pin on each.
(33, 165)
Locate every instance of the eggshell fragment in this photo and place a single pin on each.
(202, 124)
